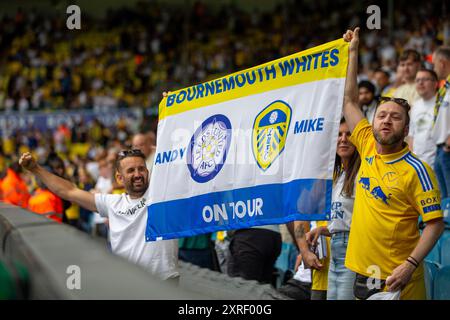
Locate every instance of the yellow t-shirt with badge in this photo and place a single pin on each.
(391, 191)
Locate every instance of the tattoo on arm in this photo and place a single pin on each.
(299, 231)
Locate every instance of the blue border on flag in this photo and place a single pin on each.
(281, 203)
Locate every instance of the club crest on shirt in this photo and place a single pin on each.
(270, 131)
(373, 189)
(391, 179)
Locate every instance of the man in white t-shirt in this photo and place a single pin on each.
(422, 113)
(103, 185)
(410, 62)
(127, 212)
(441, 129)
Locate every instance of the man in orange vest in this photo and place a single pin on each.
(2, 176)
(46, 202)
(14, 189)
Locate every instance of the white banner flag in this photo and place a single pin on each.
(256, 147)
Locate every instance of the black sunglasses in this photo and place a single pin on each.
(402, 102)
(130, 153)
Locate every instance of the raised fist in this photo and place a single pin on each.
(27, 161)
(353, 38)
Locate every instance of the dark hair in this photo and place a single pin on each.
(386, 73)
(443, 52)
(53, 162)
(54, 159)
(368, 85)
(126, 154)
(399, 101)
(350, 173)
(430, 72)
(410, 53)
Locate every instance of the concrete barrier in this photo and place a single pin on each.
(50, 254)
(47, 250)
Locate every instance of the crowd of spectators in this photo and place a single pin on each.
(84, 154)
(133, 54)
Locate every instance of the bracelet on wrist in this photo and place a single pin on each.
(413, 263)
(414, 259)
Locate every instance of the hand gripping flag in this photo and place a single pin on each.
(256, 147)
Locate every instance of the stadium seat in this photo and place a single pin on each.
(283, 259)
(446, 211)
(293, 253)
(444, 243)
(284, 262)
(431, 268)
(435, 253)
(442, 284)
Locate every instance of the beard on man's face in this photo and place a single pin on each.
(137, 185)
(389, 140)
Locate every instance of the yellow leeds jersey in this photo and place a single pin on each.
(391, 191)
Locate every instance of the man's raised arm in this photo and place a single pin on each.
(352, 113)
(61, 187)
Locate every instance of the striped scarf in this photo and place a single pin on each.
(440, 97)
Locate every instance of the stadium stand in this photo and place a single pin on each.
(446, 211)
(435, 253)
(431, 269)
(441, 284)
(35, 253)
(444, 243)
(120, 64)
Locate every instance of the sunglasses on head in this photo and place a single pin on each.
(402, 102)
(130, 153)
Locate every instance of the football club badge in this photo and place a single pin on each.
(270, 130)
(208, 148)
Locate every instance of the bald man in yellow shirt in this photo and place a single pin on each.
(393, 189)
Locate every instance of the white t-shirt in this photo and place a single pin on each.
(407, 91)
(442, 126)
(104, 185)
(302, 274)
(127, 223)
(369, 111)
(420, 128)
(341, 208)
(92, 168)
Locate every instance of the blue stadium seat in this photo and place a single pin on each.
(293, 253)
(444, 244)
(446, 211)
(435, 253)
(431, 268)
(442, 284)
(284, 261)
